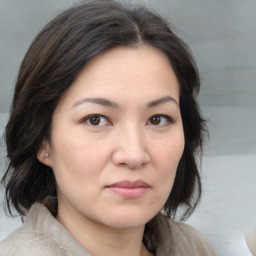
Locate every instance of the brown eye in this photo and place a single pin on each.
(155, 120)
(96, 120)
(160, 120)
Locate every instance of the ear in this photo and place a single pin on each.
(43, 154)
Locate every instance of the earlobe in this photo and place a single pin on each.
(43, 155)
(46, 155)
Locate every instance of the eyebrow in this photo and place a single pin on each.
(161, 101)
(108, 103)
(100, 101)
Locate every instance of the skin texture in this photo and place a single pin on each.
(125, 141)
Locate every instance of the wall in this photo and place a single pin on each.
(222, 37)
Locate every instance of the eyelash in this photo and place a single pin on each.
(168, 118)
(87, 118)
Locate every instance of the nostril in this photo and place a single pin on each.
(130, 148)
(131, 160)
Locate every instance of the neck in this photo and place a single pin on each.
(101, 240)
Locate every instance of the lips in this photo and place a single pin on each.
(129, 189)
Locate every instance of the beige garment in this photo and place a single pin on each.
(42, 235)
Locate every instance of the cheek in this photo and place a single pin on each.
(75, 172)
(168, 156)
(76, 158)
(169, 152)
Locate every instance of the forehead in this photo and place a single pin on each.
(120, 60)
(124, 70)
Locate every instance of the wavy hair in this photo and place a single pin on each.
(54, 60)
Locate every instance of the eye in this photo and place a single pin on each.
(160, 120)
(96, 120)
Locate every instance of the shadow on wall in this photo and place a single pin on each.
(3, 121)
(250, 238)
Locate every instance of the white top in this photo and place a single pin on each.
(42, 234)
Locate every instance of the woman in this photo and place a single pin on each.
(103, 138)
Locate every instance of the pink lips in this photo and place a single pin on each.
(129, 189)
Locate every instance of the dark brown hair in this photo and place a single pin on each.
(53, 61)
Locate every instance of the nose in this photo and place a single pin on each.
(131, 150)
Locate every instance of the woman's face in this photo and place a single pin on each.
(116, 139)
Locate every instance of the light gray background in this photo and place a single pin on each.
(222, 35)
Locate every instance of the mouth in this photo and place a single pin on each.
(129, 189)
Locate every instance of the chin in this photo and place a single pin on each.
(124, 221)
(126, 224)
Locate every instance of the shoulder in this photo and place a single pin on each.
(30, 239)
(24, 242)
(189, 239)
